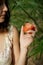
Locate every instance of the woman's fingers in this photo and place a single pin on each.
(31, 33)
(27, 35)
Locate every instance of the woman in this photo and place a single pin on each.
(9, 39)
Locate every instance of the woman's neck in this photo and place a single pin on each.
(3, 30)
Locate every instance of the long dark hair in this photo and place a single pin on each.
(5, 24)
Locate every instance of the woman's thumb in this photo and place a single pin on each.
(22, 31)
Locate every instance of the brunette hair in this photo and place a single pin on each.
(5, 24)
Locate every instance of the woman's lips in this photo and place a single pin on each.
(3, 16)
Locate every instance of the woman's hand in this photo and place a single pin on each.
(26, 39)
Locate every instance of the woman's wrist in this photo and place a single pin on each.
(23, 50)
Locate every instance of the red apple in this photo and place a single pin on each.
(28, 26)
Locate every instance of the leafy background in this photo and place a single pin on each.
(22, 11)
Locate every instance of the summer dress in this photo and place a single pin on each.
(6, 56)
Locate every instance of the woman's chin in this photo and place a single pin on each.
(1, 20)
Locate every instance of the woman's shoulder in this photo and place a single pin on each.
(14, 30)
(15, 34)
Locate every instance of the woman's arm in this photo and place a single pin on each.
(16, 50)
(19, 55)
(25, 41)
(22, 57)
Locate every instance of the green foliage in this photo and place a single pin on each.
(37, 47)
(22, 11)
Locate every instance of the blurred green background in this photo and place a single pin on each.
(22, 11)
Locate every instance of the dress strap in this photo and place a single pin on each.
(10, 34)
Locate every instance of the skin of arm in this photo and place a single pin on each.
(19, 55)
(22, 57)
(25, 41)
(16, 50)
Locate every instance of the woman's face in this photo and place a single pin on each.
(3, 10)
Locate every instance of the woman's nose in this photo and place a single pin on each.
(5, 8)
